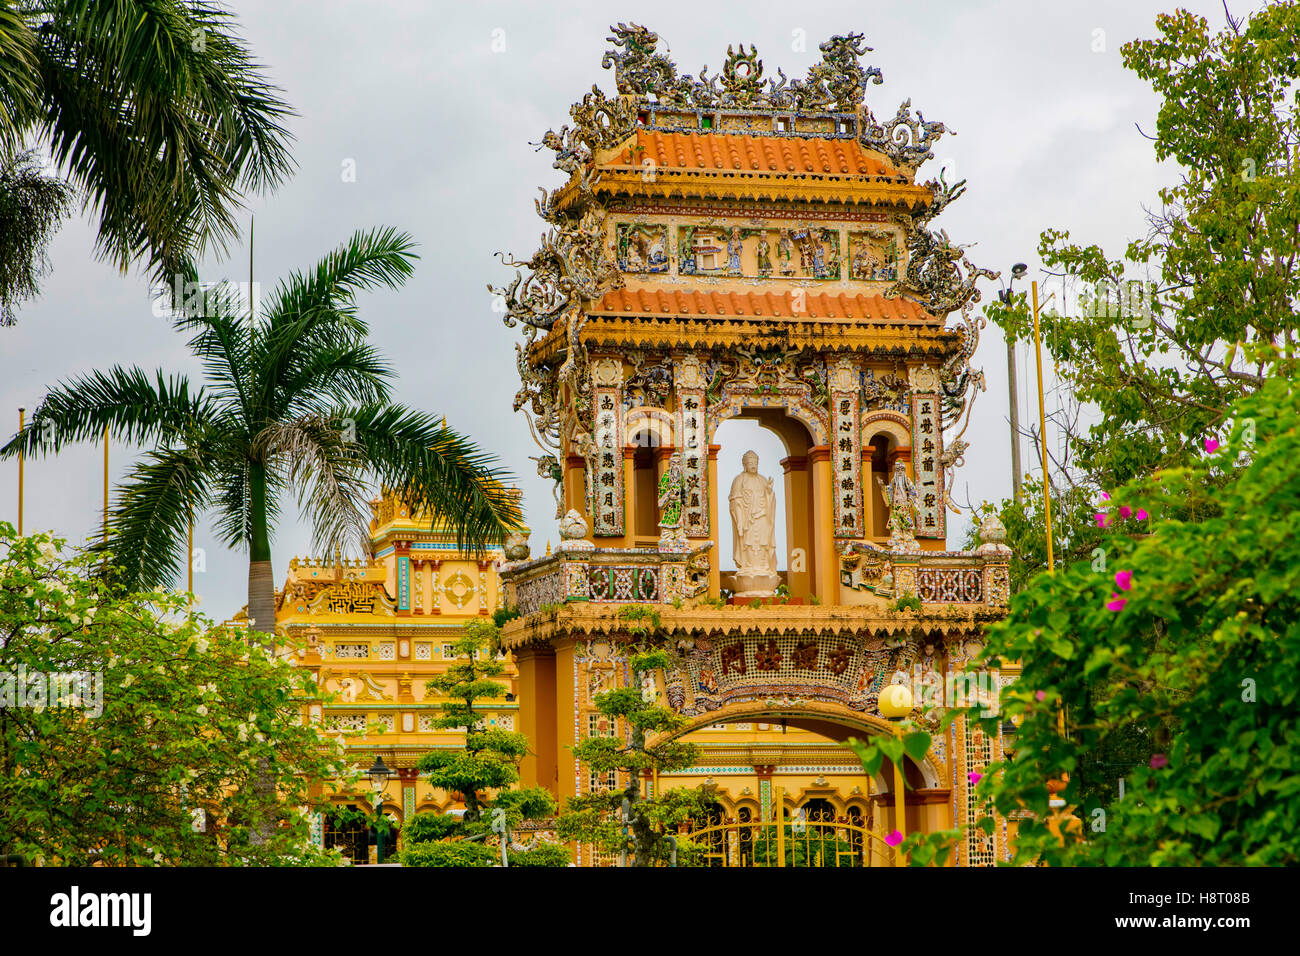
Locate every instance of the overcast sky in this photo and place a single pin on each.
(437, 119)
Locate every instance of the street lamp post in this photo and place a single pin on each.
(379, 775)
(1017, 272)
(896, 703)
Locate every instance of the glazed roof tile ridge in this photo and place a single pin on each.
(742, 151)
(832, 305)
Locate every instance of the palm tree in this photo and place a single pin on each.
(296, 401)
(32, 206)
(153, 109)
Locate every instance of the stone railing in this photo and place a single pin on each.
(605, 576)
(981, 576)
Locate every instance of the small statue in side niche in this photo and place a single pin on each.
(903, 502)
(672, 493)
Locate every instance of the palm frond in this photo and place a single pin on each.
(32, 205)
(20, 71)
(133, 407)
(156, 111)
(312, 312)
(437, 471)
(152, 511)
(316, 458)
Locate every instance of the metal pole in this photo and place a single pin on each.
(778, 813)
(191, 555)
(1042, 437)
(106, 484)
(22, 417)
(1013, 399)
(900, 804)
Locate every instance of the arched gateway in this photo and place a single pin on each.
(741, 249)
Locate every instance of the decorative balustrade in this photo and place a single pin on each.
(606, 576)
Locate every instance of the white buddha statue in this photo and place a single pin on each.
(753, 531)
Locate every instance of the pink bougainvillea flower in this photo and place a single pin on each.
(1101, 517)
(1117, 603)
(1125, 511)
(1158, 761)
(1211, 445)
(1105, 496)
(1040, 696)
(974, 777)
(1142, 514)
(894, 838)
(1124, 580)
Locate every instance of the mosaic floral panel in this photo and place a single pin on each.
(950, 585)
(624, 584)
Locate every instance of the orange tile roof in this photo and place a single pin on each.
(692, 304)
(781, 154)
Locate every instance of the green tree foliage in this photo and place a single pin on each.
(1188, 644)
(626, 821)
(919, 849)
(1156, 375)
(1223, 250)
(185, 715)
(544, 854)
(489, 761)
(31, 207)
(153, 110)
(296, 401)
(490, 757)
(461, 853)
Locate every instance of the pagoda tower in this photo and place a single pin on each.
(735, 247)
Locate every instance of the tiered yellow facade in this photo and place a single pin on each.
(377, 629)
(732, 248)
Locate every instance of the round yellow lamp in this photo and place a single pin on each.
(895, 701)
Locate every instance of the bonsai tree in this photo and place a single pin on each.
(627, 821)
(488, 761)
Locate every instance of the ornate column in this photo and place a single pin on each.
(629, 482)
(824, 570)
(435, 589)
(482, 587)
(871, 499)
(798, 536)
(715, 559)
(536, 667)
(403, 561)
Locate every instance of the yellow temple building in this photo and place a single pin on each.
(376, 630)
(723, 248)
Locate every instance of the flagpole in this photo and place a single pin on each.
(22, 417)
(106, 484)
(1042, 435)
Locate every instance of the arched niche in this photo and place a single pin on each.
(885, 433)
(648, 438)
(794, 489)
